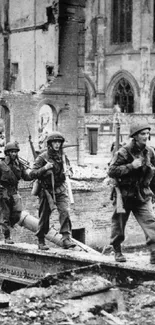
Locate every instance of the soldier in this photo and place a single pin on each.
(11, 171)
(133, 168)
(48, 168)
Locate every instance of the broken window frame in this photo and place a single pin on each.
(124, 96)
(121, 25)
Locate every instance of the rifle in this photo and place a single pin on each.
(36, 184)
(24, 162)
(67, 179)
(31, 144)
(119, 200)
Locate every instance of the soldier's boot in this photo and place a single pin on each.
(119, 257)
(42, 245)
(67, 241)
(8, 239)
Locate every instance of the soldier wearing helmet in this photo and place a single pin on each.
(11, 171)
(132, 167)
(48, 169)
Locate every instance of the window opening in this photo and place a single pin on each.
(124, 96)
(87, 101)
(121, 31)
(50, 15)
(93, 136)
(49, 72)
(14, 75)
(14, 69)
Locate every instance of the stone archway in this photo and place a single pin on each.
(4, 125)
(46, 124)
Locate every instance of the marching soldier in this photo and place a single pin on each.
(48, 169)
(133, 168)
(11, 171)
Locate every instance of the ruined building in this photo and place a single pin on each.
(67, 64)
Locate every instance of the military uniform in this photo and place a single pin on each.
(10, 200)
(134, 185)
(52, 190)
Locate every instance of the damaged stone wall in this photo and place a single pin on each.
(43, 67)
(33, 42)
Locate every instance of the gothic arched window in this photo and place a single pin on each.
(121, 27)
(124, 96)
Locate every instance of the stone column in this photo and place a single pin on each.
(81, 95)
(145, 58)
(100, 52)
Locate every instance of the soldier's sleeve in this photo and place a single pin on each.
(38, 169)
(120, 166)
(152, 156)
(26, 174)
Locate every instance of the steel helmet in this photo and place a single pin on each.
(55, 136)
(134, 129)
(11, 146)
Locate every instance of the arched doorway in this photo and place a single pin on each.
(4, 125)
(45, 125)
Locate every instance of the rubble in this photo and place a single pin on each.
(89, 172)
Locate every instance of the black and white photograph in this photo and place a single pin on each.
(77, 162)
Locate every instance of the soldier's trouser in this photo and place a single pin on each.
(10, 212)
(45, 211)
(144, 215)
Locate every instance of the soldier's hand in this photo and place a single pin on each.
(69, 172)
(137, 163)
(48, 166)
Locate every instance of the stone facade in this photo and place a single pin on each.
(60, 67)
(107, 62)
